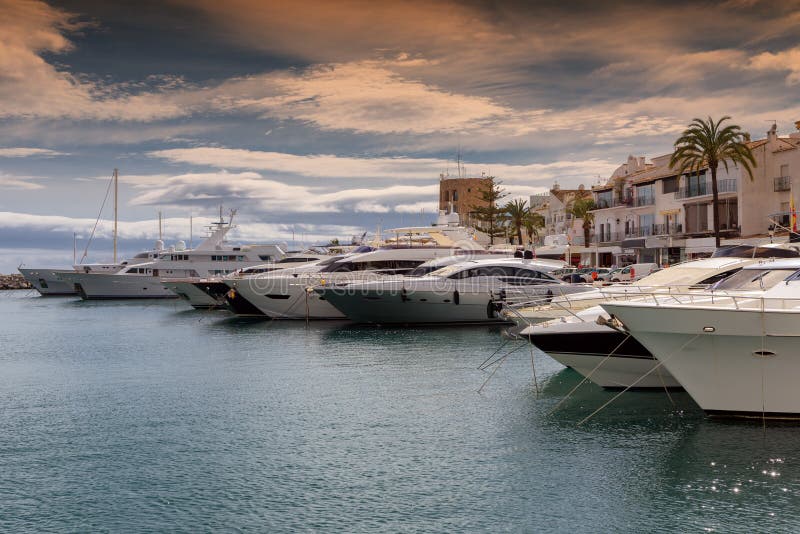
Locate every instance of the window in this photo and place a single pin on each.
(265, 257)
(696, 218)
(645, 195)
(604, 199)
(646, 224)
(455, 195)
(669, 185)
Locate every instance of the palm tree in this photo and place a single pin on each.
(581, 208)
(533, 223)
(515, 212)
(707, 144)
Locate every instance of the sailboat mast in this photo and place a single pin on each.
(116, 194)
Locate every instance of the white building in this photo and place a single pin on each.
(647, 212)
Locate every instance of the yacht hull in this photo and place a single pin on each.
(48, 282)
(200, 294)
(280, 299)
(95, 286)
(732, 362)
(379, 306)
(586, 347)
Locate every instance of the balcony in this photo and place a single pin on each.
(782, 183)
(704, 188)
(603, 203)
(667, 229)
(609, 237)
(646, 200)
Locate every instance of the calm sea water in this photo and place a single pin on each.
(143, 416)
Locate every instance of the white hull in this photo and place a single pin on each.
(748, 365)
(286, 298)
(188, 291)
(95, 286)
(48, 282)
(417, 307)
(618, 372)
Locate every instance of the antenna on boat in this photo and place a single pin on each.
(160, 232)
(74, 248)
(190, 230)
(116, 194)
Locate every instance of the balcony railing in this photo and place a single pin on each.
(782, 183)
(667, 229)
(645, 200)
(704, 188)
(604, 203)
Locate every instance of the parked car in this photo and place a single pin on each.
(608, 274)
(634, 272)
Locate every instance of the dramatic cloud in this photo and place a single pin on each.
(366, 97)
(787, 61)
(18, 182)
(28, 152)
(330, 166)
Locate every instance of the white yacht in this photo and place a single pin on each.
(213, 257)
(49, 282)
(735, 353)
(209, 293)
(578, 341)
(471, 291)
(290, 295)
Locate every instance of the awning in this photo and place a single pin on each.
(633, 243)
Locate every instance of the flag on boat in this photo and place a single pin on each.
(792, 214)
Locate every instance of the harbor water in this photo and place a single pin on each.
(149, 416)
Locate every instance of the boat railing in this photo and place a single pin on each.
(742, 300)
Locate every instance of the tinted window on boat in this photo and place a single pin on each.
(750, 251)
(754, 279)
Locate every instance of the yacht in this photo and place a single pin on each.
(691, 274)
(50, 282)
(209, 293)
(735, 352)
(290, 295)
(584, 339)
(470, 291)
(214, 256)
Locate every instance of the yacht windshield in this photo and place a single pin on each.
(445, 272)
(754, 279)
(751, 251)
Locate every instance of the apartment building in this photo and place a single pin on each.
(646, 212)
(555, 207)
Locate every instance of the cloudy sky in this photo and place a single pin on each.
(328, 117)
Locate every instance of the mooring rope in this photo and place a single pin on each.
(660, 363)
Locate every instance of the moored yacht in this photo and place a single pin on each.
(214, 256)
(586, 342)
(50, 282)
(471, 291)
(735, 353)
(209, 293)
(290, 295)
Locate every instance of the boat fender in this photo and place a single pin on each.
(404, 295)
(549, 296)
(490, 309)
(456, 297)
